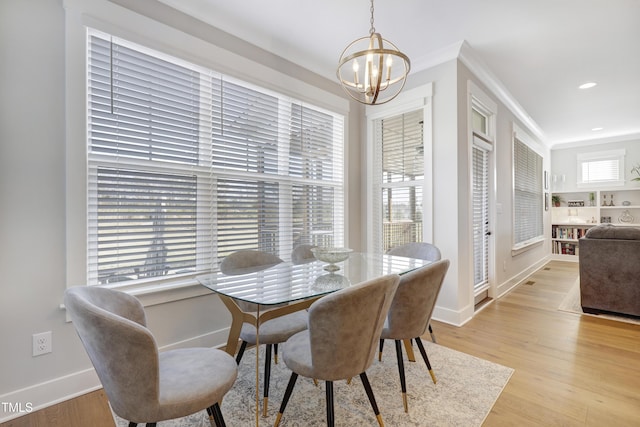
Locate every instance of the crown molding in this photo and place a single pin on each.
(475, 64)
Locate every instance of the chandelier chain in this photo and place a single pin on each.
(372, 29)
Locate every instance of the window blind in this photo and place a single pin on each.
(399, 178)
(528, 200)
(187, 165)
(480, 165)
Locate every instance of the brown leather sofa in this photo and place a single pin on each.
(610, 270)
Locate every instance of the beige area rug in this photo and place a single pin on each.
(571, 304)
(466, 390)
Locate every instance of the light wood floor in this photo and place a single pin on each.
(570, 370)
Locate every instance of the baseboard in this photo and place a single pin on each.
(460, 317)
(48, 393)
(505, 287)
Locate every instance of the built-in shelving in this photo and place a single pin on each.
(580, 210)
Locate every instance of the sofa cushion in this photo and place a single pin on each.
(613, 232)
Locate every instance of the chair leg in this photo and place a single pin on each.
(329, 394)
(267, 376)
(132, 424)
(217, 415)
(212, 420)
(380, 350)
(285, 398)
(275, 353)
(150, 424)
(403, 380)
(426, 359)
(243, 347)
(372, 399)
(433, 337)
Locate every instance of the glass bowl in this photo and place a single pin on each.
(331, 255)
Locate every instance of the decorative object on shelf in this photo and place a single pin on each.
(592, 199)
(383, 72)
(604, 201)
(575, 203)
(626, 203)
(332, 256)
(611, 201)
(555, 200)
(636, 170)
(625, 217)
(605, 220)
(593, 220)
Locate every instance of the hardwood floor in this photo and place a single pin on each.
(570, 370)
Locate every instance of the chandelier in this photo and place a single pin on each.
(372, 70)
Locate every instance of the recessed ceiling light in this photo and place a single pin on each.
(587, 85)
(596, 129)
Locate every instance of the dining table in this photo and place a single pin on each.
(286, 287)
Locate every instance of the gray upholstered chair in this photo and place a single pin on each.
(419, 250)
(302, 254)
(341, 340)
(272, 332)
(143, 385)
(411, 311)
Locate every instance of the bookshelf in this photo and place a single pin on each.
(581, 210)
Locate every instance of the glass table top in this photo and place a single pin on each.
(287, 282)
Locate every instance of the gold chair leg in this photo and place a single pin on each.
(315, 381)
(433, 376)
(265, 404)
(278, 418)
(380, 422)
(409, 348)
(404, 402)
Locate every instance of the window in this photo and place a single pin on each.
(186, 165)
(399, 156)
(527, 194)
(601, 168)
(401, 146)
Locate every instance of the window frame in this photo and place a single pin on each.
(121, 22)
(595, 156)
(523, 137)
(406, 102)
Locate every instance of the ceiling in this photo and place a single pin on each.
(540, 50)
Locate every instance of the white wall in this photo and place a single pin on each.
(564, 161)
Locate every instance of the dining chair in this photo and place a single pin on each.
(302, 254)
(411, 311)
(273, 331)
(340, 342)
(420, 250)
(142, 384)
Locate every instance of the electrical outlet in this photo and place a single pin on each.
(42, 343)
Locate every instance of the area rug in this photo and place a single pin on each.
(466, 390)
(571, 304)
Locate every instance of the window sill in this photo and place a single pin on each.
(154, 292)
(526, 246)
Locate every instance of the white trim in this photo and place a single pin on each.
(410, 100)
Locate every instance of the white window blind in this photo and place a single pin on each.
(601, 167)
(480, 164)
(187, 165)
(400, 179)
(528, 199)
